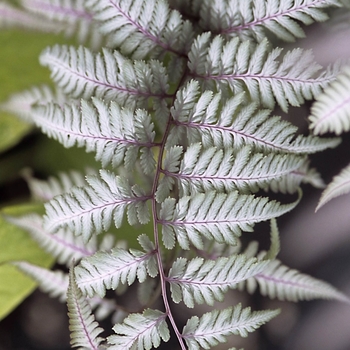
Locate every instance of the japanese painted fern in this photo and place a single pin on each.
(175, 99)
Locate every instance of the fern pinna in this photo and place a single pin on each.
(175, 99)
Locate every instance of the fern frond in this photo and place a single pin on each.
(63, 245)
(109, 76)
(216, 216)
(82, 325)
(213, 327)
(331, 110)
(113, 133)
(206, 281)
(106, 270)
(251, 18)
(15, 17)
(235, 66)
(226, 170)
(199, 116)
(142, 28)
(45, 190)
(70, 16)
(291, 182)
(54, 283)
(21, 104)
(281, 282)
(340, 185)
(140, 331)
(90, 210)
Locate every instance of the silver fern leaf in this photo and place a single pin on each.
(63, 245)
(205, 281)
(91, 209)
(339, 185)
(106, 270)
(251, 18)
(217, 216)
(330, 112)
(140, 331)
(178, 113)
(115, 134)
(71, 17)
(213, 327)
(54, 283)
(13, 16)
(281, 282)
(45, 190)
(235, 66)
(21, 104)
(107, 75)
(225, 170)
(141, 29)
(84, 329)
(198, 116)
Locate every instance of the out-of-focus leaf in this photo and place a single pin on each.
(12, 131)
(19, 70)
(16, 244)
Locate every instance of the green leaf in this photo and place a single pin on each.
(16, 245)
(16, 76)
(12, 131)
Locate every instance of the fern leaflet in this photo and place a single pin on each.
(109, 76)
(106, 270)
(70, 16)
(208, 169)
(140, 29)
(213, 327)
(250, 18)
(55, 283)
(13, 16)
(63, 245)
(330, 112)
(21, 104)
(140, 331)
(45, 190)
(235, 66)
(235, 124)
(281, 282)
(91, 209)
(84, 329)
(113, 133)
(206, 281)
(216, 216)
(340, 185)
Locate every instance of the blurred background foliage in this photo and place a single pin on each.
(21, 147)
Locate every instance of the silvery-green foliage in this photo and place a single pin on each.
(177, 108)
(68, 16)
(45, 190)
(83, 327)
(206, 281)
(251, 18)
(12, 16)
(213, 327)
(331, 113)
(64, 245)
(53, 282)
(237, 66)
(115, 134)
(140, 331)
